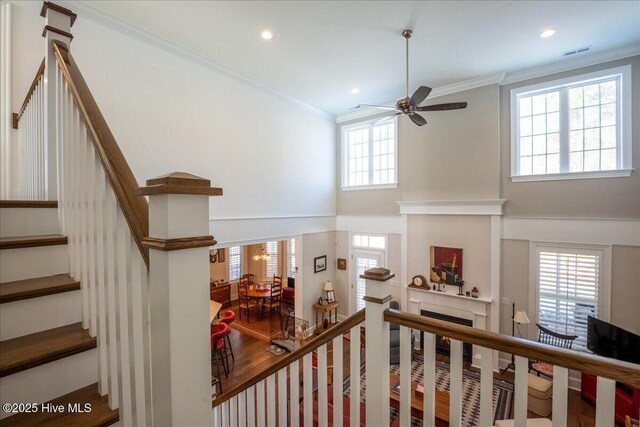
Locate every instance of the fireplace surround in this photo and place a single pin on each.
(443, 342)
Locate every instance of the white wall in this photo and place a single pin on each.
(271, 158)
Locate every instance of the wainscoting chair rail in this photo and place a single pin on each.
(294, 356)
(17, 116)
(119, 174)
(628, 373)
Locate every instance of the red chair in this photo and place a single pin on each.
(218, 332)
(228, 317)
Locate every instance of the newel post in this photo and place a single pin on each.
(377, 299)
(179, 298)
(59, 21)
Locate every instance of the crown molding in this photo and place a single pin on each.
(103, 18)
(452, 207)
(572, 64)
(490, 79)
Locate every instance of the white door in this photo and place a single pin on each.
(363, 259)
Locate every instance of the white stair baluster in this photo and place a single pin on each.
(282, 397)
(323, 412)
(137, 339)
(605, 402)
(294, 390)
(242, 409)
(112, 296)
(520, 390)
(251, 406)
(405, 376)
(91, 238)
(260, 404)
(307, 398)
(122, 259)
(338, 374)
(560, 395)
(354, 375)
(101, 279)
(486, 386)
(429, 402)
(455, 387)
(233, 411)
(271, 400)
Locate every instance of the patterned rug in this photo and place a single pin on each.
(502, 391)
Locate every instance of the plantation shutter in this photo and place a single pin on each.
(568, 282)
(362, 265)
(291, 247)
(272, 263)
(235, 264)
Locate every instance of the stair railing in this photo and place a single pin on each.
(32, 158)
(272, 397)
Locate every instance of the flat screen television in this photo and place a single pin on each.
(605, 339)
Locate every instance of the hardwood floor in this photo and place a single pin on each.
(251, 357)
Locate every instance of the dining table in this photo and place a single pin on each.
(259, 294)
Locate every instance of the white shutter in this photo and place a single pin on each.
(272, 263)
(362, 265)
(291, 249)
(568, 286)
(235, 263)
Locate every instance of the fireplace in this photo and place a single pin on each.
(442, 342)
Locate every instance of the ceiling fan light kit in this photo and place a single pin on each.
(409, 106)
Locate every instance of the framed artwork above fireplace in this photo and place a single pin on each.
(446, 265)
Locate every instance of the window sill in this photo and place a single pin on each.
(370, 187)
(619, 173)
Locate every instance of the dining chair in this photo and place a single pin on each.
(251, 278)
(245, 302)
(273, 300)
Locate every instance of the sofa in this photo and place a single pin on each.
(394, 335)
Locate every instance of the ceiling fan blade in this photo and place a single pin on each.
(419, 95)
(443, 107)
(382, 107)
(383, 118)
(417, 119)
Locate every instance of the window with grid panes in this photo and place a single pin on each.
(369, 152)
(291, 248)
(235, 263)
(272, 263)
(576, 127)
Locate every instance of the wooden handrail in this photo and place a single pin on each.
(32, 88)
(316, 342)
(122, 180)
(628, 373)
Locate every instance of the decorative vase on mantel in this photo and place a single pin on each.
(474, 292)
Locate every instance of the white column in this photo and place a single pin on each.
(179, 298)
(57, 26)
(377, 299)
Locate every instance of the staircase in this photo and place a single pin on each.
(45, 353)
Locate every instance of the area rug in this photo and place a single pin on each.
(502, 391)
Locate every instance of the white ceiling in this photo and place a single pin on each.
(322, 49)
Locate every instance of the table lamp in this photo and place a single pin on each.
(328, 286)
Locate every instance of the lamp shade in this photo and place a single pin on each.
(328, 286)
(521, 317)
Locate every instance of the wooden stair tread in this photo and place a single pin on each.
(28, 203)
(37, 287)
(100, 415)
(19, 354)
(32, 241)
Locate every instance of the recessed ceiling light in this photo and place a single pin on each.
(547, 33)
(355, 91)
(266, 34)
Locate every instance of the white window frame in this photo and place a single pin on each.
(604, 286)
(345, 156)
(625, 142)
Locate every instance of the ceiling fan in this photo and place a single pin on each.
(409, 106)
